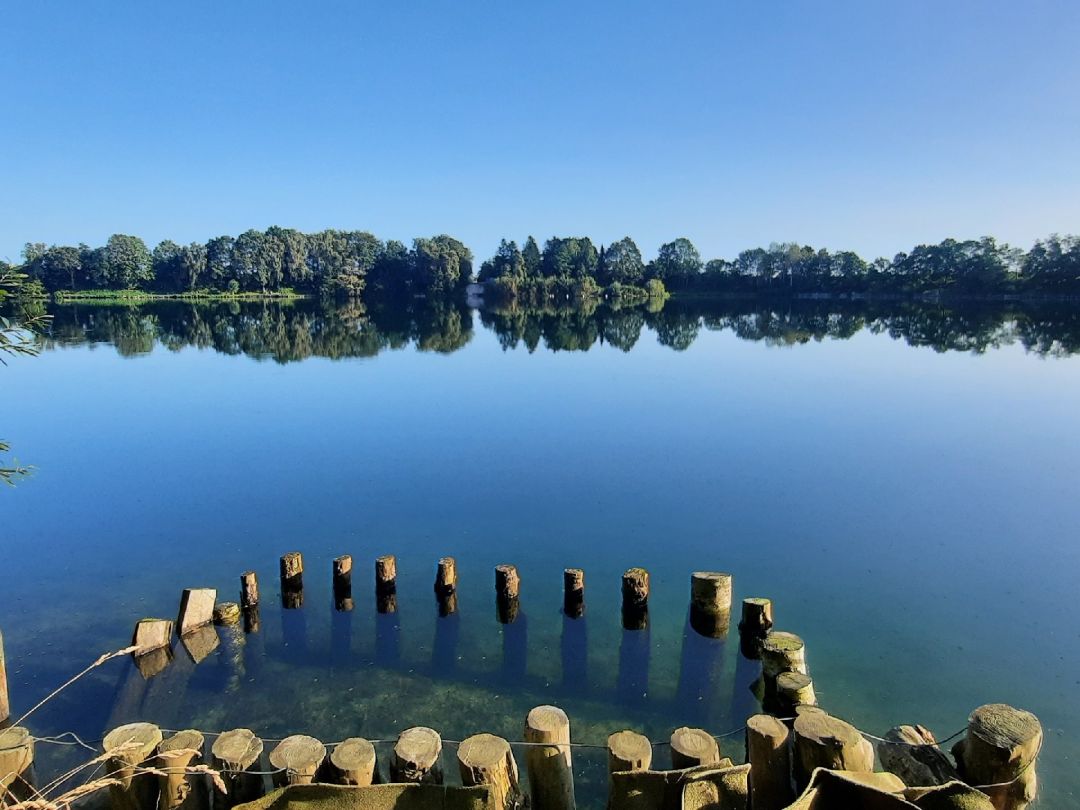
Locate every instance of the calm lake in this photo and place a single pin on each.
(902, 481)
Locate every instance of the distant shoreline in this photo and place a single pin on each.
(140, 296)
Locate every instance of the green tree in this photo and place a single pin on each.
(623, 264)
(167, 266)
(219, 257)
(441, 263)
(126, 263)
(530, 254)
(677, 263)
(16, 339)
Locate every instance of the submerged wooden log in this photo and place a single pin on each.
(249, 590)
(16, 766)
(768, 750)
(416, 757)
(635, 589)
(779, 652)
(235, 755)
(226, 614)
(999, 753)
(196, 609)
(628, 751)
(485, 759)
(252, 619)
(292, 580)
(178, 789)
(296, 760)
(710, 603)
(342, 583)
(446, 576)
(149, 635)
(574, 592)
(129, 749)
(912, 753)
(385, 574)
(353, 762)
(692, 747)
(756, 622)
(507, 582)
(794, 689)
(551, 776)
(824, 741)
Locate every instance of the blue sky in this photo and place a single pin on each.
(865, 125)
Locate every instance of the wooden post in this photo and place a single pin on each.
(507, 593)
(912, 753)
(178, 789)
(292, 580)
(296, 759)
(149, 635)
(551, 776)
(628, 751)
(768, 750)
(710, 603)
(385, 574)
(226, 614)
(234, 755)
(16, 766)
(574, 592)
(824, 741)
(780, 652)
(635, 599)
(251, 619)
(196, 609)
(1001, 746)
(5, 702)
(353, 762)
(757, 621)
(446, 576)
(343, 601)
(416, 756)
(691, 747)
(485, 759)
(129, 748)
(794, 689)
(249, 590)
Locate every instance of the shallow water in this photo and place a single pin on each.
(902, 483)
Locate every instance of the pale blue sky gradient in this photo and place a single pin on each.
(864, 125)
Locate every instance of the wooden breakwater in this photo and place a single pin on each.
(795, 754)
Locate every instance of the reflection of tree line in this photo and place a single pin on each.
(287, 332)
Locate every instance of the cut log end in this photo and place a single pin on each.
(296, 760)
(691, 747)
(416, 756)
(354, 762)
(238, 749)
(628, 751)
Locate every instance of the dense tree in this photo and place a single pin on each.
(622, 263)
(532, 258)
(572, 257)
(677, 263)
(125, 263)
(442, 263)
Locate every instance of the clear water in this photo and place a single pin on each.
(903, 484)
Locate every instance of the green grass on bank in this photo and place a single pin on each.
(136, 296)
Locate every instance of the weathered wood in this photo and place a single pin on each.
(824, 741)
(226, 614)
(756, 622)
(252, 619)
(551, 776)
(635, 589)
(446, 576)
(353, 762)
(1001, 746)
(199, 643)
(292, 580)
(296, 760)
(507, 582)
(235, 755)
(149, 635)
(385, 574)
(723, 788)
(130, 748)
(386, 602)
(710, 603)
(342, 583)
(448, 604)
(16, 765)
(416, 756)
(178, 789)
(692, 747)
(628, 751)
(779, 652)
(574, 592)
(249, 590)
(794, 689)
(485, 759)
(912, 753)
(196, 609)
(154, 662)
(768, 750)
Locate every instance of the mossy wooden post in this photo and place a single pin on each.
(342, 580)
(5, 702)
(710, 603)
(824, 741)
(235, 754)
(296, 760)
(1001, 746)
(485, 759)
(226, 614)
(780, 652)
(551, 775)
(574, 592)
(628, 751)
(416, 757)
(691, 747)
(16, 766)
(129, 748)
(249, 590)
(353, 762)
(178, 789)
(507, 593)
(755, 624)
(768, 750)
(794, 689)
(292, 580)
(635, 599)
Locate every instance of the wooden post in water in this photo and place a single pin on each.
(249, 590)
(353, 762)
(768, 750)
(507, 593)
(757, 621)
(551, 776)
(292, 580)
(16, 766)
(1001, 749)
(196, 609)
(691, 747)
(226, 614)
(710, 603)
(178, 789)
(343, 600)
(574, 592)
(794, 689)
(235, 754)
(5, 702)
(824, 741)
(416, 756)
(780, 652)
(149, 635)
(386, 583)
(131, 748)
(296, 760)
(446, 586)
(485, 759)
(635, 599)
(628, 751)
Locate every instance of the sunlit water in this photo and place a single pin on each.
(913, 514)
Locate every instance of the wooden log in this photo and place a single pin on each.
(912, 753)
(342, 583)
(226, 614)
(249, 590)
(252, 619)
(507, 582)
(628, 751)
(756, 622)
(149, 635)
(16, 766)
(235, 755)
(485, 759)
(779, 652)
(824, 741)
(551, 776)
(1000, 750)
(710, 592)
(691, 747)
(196, 609)
(386, 602)
(448, 604)
(794, 689)
(574, 592)
(446, 576)
(385, 574)
(416, 756)
(130, 748)
(292, 580)
(635, 589)
(296, 760)
(154, 662)
(353, 762)
(768, 750)
(178, 789)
